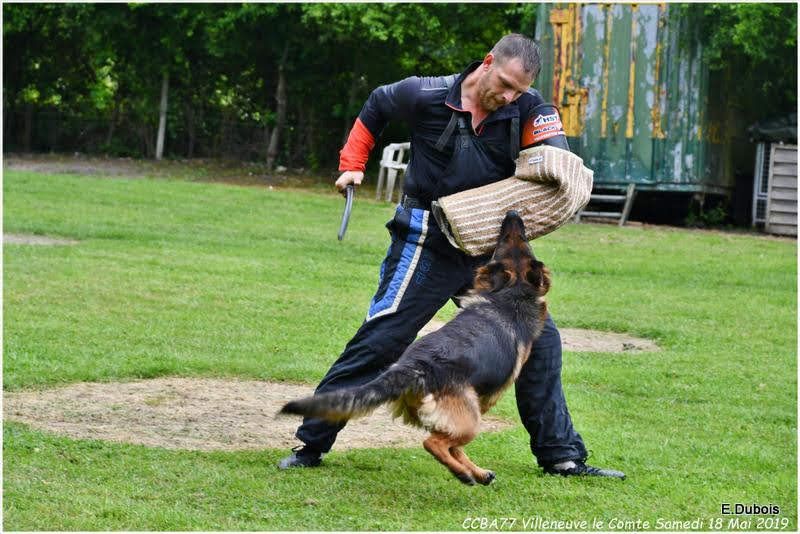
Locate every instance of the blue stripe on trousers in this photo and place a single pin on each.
(405, 266)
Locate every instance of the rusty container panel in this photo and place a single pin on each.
(637, 103)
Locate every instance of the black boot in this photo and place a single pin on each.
(302, 456)
(579, 468)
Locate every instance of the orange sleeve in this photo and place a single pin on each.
(355, 153)
(542, 125)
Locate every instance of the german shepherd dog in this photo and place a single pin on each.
(446, 380)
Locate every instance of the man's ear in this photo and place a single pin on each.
(488, 60)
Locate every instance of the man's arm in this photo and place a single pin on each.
(387, 102)
(541, 123)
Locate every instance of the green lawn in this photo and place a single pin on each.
(174, 277)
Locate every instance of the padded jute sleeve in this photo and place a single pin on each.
(549, 187)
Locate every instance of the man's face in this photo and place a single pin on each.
(502, 82)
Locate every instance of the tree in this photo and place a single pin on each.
(367, 45)
(757, 44)
(151, 49)
(258, 42)
(45, 61)
(295, 73)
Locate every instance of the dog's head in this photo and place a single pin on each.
(513, 262)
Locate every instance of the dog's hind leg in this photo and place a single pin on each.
(484, 476)
(440, 445)
(454, 421)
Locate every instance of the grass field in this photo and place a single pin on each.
(173, 277)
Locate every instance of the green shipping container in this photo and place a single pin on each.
(637, 103)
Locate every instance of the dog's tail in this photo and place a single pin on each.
(348, 403)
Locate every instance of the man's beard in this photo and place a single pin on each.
(489, 101)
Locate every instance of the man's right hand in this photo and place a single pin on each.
(347, 178)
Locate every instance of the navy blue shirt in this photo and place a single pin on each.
(427, 104)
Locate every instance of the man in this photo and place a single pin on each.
(466, 132)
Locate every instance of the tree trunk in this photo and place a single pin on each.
(280, 121)
(217, 142)
(8, 118)
(162, 120)
(312, 158)
(146, 133)
(191, 130)
(267, 133)
(113, 124)
(27, 136)
(9, 114)
(299, 147)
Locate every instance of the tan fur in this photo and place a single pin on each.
(454, 419)
(457, 414)
(452, 412)
(440, 445)
(481, 475)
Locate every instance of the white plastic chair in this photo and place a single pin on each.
(392, 164)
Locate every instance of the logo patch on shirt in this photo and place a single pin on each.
(541, 127)
(543, 120)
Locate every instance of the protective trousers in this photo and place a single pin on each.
(420, 273)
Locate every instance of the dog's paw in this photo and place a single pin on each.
(488, 478)
(465, 478)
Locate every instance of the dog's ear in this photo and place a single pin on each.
(491, 277)
(539, 277)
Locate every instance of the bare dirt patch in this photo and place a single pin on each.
(579, 340)
(227, 414)
(195, 413)
(30, 239)
(62, 164)
(197, 169)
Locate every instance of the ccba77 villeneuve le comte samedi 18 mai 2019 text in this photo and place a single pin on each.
(734, 516)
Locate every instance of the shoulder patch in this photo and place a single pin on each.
(542, 125)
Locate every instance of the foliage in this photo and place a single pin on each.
(105, 62)
(756, 42)
(45, 55)
(713, 217)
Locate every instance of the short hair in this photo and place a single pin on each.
(515, 45)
